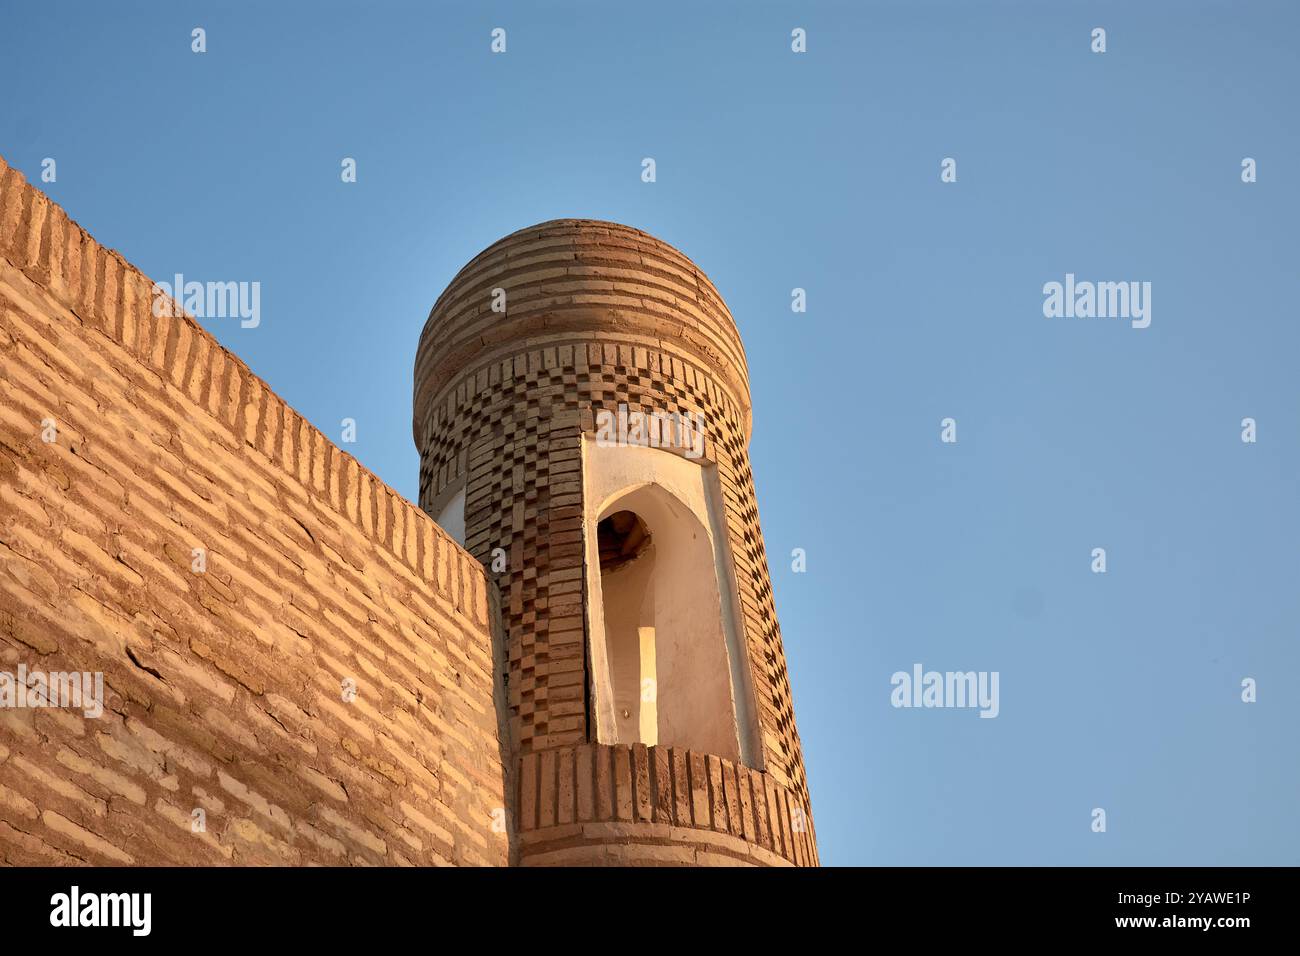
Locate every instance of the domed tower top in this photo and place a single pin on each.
(578, 276)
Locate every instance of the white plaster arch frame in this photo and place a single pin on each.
(672, 614)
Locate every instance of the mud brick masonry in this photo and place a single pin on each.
(473, 737)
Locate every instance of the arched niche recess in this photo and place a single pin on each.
(665, 664)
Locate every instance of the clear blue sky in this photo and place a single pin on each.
(821, 170)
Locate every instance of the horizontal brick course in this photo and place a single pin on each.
(668, 787)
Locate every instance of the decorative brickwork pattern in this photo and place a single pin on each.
(597, 315)
(222, 688)
(668, 794)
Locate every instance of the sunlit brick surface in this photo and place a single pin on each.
(222, 688)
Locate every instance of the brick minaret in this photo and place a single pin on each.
(648, 701)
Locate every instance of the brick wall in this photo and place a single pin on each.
(223, 689)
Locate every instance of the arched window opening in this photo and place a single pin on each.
(661, 629)
(622, 537)
(627, 571)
